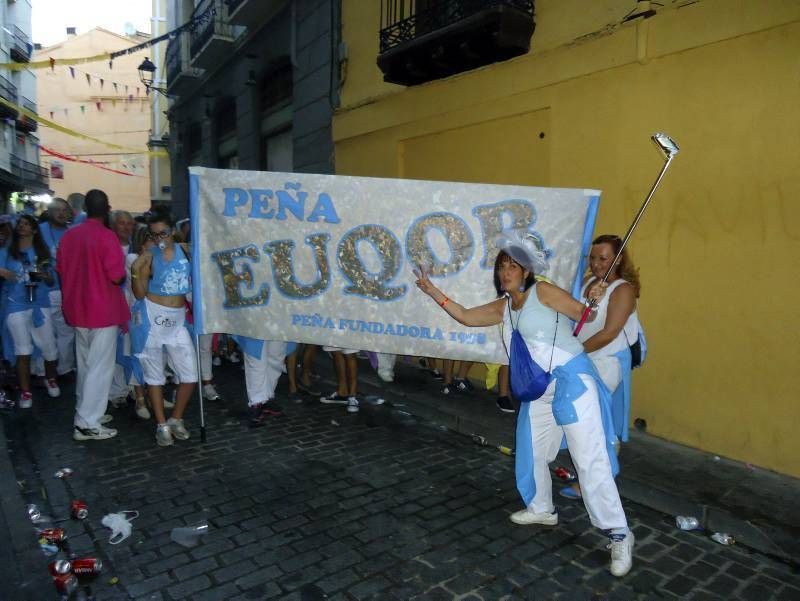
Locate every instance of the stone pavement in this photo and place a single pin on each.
(376, 505)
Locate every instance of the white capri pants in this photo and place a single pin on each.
(261, 375)
(587, 446)
(20, 325)
(167, 332)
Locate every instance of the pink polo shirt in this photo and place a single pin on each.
(89, 260)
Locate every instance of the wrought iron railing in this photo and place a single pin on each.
(208, 19)
(20, 42)
(29, 173)
(8, 90)
(405, 20)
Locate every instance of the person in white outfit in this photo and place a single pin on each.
(264, 362)
(563, 398)
(608, 338)
(161, 280)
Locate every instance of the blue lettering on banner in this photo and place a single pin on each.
(259, 200)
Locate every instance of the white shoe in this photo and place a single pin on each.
(163, 435)
(352, 404)
(234, 357)
(526, 517)
(105, 419)
(621, 555)
(25, 400)
(177, 429)
(52, 387)
(210, 392)
(386, 376)
(216, 361)
(98, 433)
(141, 409)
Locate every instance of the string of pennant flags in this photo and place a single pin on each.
(97, 164)
(70, 132)
(191, 25)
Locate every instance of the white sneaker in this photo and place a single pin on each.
(170, 403)
(526, 517)
(52, 387)
(105, 419)
(216, 361)
(210, 392)
(352, 404)
(25, 400)
(621, 555)
(177, 429)
(234, 357)
(141, 409)
(98, 433)
(386, 376)
(163, 435)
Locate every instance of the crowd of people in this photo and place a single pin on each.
(107, 296)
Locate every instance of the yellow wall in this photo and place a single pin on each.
(121, 121)
(718, 249)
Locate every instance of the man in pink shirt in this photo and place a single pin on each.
(91, 265)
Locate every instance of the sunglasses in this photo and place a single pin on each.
(162, 234)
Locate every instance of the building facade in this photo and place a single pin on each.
(717, 249)
(160, 188)
(103, 101)
(19, 145)
(254, 84)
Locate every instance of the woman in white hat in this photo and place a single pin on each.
(565, 397)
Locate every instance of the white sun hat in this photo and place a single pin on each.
(524, 248)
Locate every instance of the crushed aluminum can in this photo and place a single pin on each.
(564, 474)
(60, 566)
(34, 513)
(66, 584)
(78, 509)
(64, 472)
(87, 566)
(479, 440)
(506, 450)
(53, 536)
(723, 538)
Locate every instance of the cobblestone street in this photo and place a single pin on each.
(374, 505)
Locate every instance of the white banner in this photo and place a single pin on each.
(328, 259)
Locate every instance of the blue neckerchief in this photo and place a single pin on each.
(568, 388)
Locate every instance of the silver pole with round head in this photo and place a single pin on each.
(669, 149)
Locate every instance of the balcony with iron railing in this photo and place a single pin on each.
(423, 40)
(24, 122)
(213, 35)
(8, 91)
(252, 12)
(19, 45)
(33, 177)
(181, 75)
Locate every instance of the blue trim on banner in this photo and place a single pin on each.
(197, 292)
(588, 229)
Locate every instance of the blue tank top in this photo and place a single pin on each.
(169, 278)
(536, 323)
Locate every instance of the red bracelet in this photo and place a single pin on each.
(444, 302)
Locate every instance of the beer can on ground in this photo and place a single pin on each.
(60, 566)
(53, 536)
(79, 509)
(87, 566)
(66, 584)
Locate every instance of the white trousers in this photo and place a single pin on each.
(96, 351)
(587, 446)
(205, 356)
(65, 335)
(25, 335)
(386, 364)
(261, 375)
(609, 369)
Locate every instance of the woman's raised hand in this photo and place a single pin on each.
(423, 282)
(597, 291)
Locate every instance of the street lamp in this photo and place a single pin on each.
(147, 71)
